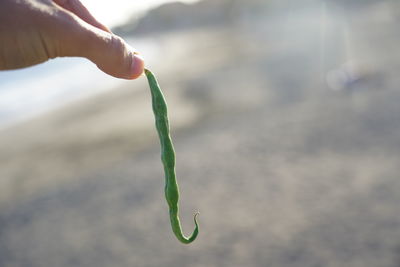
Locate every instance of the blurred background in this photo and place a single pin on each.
(286, 121)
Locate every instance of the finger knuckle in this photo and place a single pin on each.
(118, 45)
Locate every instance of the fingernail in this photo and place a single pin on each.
(137, 66)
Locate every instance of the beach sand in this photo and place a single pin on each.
(284, 170)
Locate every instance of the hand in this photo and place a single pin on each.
(33, 31)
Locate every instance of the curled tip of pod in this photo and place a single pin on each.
(195, 217)
(195, 220)
(195, 231)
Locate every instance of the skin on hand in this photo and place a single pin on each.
(33, 31)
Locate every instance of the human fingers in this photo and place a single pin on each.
(109, 52)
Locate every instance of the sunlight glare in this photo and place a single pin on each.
(113, 13)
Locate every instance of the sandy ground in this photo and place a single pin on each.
(285, 169)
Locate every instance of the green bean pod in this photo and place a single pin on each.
(168, 159)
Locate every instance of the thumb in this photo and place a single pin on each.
(109, 52)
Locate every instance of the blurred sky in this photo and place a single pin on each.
(117, 12)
